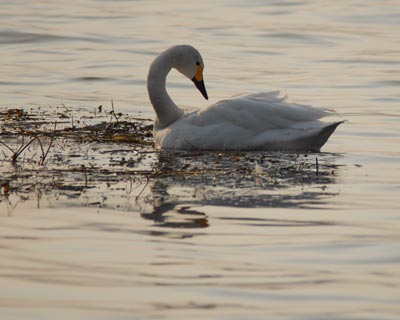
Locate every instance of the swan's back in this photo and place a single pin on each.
(262, 121)
(262, 111)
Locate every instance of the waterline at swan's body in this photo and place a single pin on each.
(262, 121)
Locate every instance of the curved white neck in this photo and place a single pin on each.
(167, 111)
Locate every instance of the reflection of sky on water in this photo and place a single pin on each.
(88, 253)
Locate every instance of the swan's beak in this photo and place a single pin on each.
(199, 82)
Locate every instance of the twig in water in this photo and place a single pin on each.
(113, 111)
(8, 147)
(316, 166)
(44, 155)
(141, 191)
(84, 171)
(65, 107)
(86, 179)
(20, 150)
(41, 148)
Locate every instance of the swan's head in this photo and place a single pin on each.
(188, 61)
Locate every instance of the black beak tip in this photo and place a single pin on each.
(201, 87)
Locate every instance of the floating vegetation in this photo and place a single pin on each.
(70, 157)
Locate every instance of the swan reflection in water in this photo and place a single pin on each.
(189, 180)
(180, 184)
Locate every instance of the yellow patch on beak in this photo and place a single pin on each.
(199, 74)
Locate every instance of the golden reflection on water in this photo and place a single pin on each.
(199, 245)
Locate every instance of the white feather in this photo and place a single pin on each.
(262, 121)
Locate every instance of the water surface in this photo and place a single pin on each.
(259, 243)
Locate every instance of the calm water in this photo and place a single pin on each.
(212, 247)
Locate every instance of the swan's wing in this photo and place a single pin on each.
(262, 121)
(259, 112)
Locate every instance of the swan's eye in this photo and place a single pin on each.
(197, 63)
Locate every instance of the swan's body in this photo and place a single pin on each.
(262, 121)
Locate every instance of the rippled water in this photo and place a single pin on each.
(257, 244)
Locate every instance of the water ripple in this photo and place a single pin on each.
(19, 37)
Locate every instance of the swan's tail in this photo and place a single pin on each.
(320, 139)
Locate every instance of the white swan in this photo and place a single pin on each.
(262, 121)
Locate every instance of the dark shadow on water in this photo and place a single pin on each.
(172, 215)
